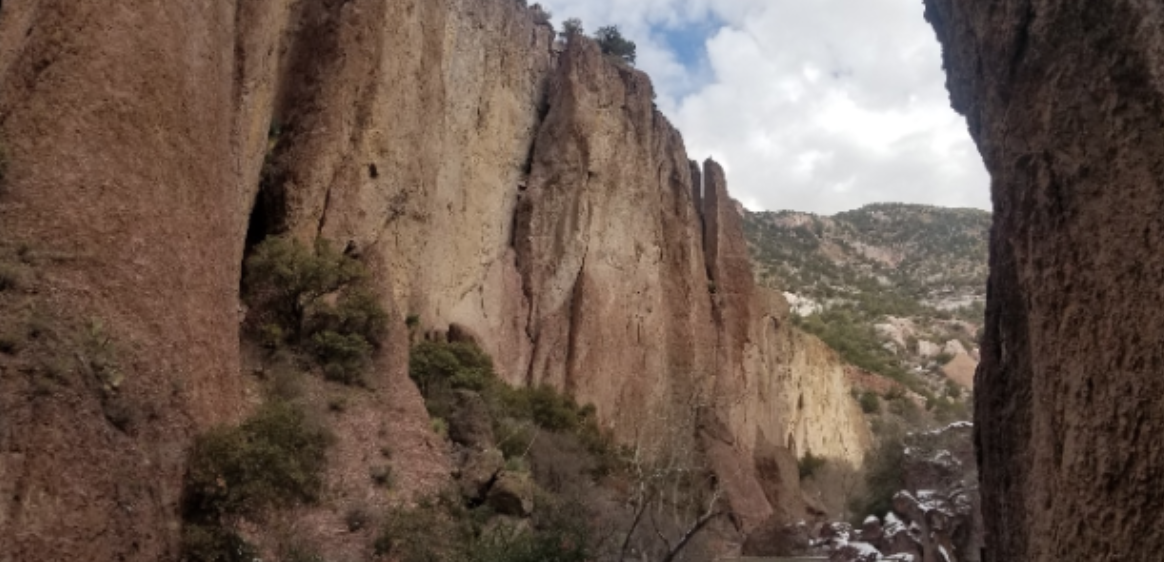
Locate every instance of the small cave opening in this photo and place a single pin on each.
(373, 172)
(268, 215)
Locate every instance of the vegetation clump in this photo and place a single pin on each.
(809, 464)
(214, 543)
(870, 403)
(439, 369)
(318, 300)
(273, 459)
(850, 334)
(571, 27)
(614, 45)
(443, 529)
(883, 475)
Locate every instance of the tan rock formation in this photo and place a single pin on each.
(1063, 100)
(609, 250)
(961, 369)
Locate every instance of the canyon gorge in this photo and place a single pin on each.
(518, 193)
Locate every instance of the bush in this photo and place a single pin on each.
(953, 390)
(544, 406)
(870, 404)
(541, 15)
(212, 543)
(440, 427)
(275, 458)
(296, 549)
(612, 43)
(883, 477)
(946, 410)
(343, 356)
(513, 436)
(442, 529)
(447, 366)
(382, 476)
(809, 464)
(433, 531)
(566, 541)
(357, 518)
(319, 300)
(906, 409)
(440, 368)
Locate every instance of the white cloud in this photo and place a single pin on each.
(815, 105)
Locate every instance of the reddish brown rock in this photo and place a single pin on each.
(536, 201)
(1063, 100)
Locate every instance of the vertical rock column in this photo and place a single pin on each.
(1064, 101)
(123, 188)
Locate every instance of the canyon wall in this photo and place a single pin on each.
(1064, 101)
(527, 192)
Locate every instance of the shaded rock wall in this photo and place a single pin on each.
(1064, 100)
(533, 198)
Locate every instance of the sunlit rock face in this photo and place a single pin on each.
(526, 192)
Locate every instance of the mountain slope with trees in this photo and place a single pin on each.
(896, 289)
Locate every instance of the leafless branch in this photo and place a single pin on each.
(643, 505)
(690, 534)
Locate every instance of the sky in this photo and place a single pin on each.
(811, 105)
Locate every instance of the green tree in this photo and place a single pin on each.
(572, 26)
(612, 43)
(318, 299)
(883, 474)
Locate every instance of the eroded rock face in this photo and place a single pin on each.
(608, 245)
(1063, 100)
(536, 200)
(137, 139)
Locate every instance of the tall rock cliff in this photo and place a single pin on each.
(525, 193)
(1064, 100)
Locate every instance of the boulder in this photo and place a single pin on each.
(512, 494)
(871, 530)
(776, 538)
(470, 423)
(478, 473)
(896, 539)
(855, 552)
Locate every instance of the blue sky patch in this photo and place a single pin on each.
(689, 40)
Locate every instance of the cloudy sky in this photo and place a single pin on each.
(813, 105)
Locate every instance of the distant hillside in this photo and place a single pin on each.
(897, 289)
